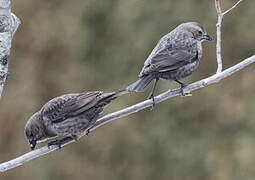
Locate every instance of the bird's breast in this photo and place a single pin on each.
(199, 50)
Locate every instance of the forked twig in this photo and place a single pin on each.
(220, 15)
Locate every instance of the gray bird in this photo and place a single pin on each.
(176, 55)
(68, 115)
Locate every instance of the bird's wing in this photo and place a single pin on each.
(168, 56)
(60, 108)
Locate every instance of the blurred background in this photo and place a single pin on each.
(65, 46)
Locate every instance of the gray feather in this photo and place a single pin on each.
(141, 83)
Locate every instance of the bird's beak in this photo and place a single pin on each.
(32, 144)
(207, 37)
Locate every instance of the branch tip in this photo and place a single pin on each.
(234, 6)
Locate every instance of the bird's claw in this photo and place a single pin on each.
(87, 132)
(151, 96)
(60, 142)
(187, 95)
(184, 94)
(55, 143)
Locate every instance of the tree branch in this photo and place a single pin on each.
(133, 109)
(220, 15)
(218, 30)
(230, 9)
(147, 103)
(8, 25)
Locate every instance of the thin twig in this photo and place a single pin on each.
(218, 44)
(220, 16)
(227, 11)
(218, 7)
(218, 30)
(132, 109)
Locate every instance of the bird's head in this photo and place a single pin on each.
(196, 30)
(34, 131)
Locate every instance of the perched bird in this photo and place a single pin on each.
(176, 55)
(68, 115)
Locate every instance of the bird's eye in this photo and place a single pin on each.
(200, 32)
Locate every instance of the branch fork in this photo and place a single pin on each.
(220, 15)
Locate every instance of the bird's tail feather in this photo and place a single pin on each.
(108, 97)
(141, 83)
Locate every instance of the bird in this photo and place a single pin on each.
(176, 56)
(69, 115)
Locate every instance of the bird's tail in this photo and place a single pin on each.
(141, 83)
(108, 97)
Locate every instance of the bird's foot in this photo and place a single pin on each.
(87, 132)
(55, 143)
(74, 137)
(184, 94)
(187, 94)
(182, 87)
(151, 96)
(60, 142)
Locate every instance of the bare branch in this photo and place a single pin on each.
(142, 105)
(218, 30)
(218, 44)
(230, 9)
(218, 7)
(8, 25)
(132, 109)
(220, 15)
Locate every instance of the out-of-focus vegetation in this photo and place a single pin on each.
(68, 46)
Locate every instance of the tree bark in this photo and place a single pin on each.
(9, 23)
